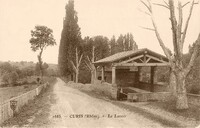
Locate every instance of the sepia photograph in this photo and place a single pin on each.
(100, 63)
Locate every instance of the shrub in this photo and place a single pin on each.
(10, 78)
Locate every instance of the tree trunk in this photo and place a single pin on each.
(172, 83)
(181, 102)
(77, 73)
(92, 77)
(40, 63)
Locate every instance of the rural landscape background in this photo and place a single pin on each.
(48, 76)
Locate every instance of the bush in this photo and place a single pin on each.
(10, 78)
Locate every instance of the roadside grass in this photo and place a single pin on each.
(36, 112)
(193, 112)
(162, 112)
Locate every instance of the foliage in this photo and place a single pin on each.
(10, 78)
(193, 79)
(101, 47)
(41, 37)
(97, 45)
(70, 39)
(113, 46)
(123, 43)
(100, 44)
(5, 68)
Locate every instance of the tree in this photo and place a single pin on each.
(179, 34)
(91, 66)
(41, 37)
(9, 73)
(113, 45)
(126, 42)
(5, 68)
(133, 45)
(94, 49)
(101, 47)
(70, 40)
(76, 65)
(120, 43)
(89, 56)
(129, 43)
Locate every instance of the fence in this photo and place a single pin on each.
(13, 105)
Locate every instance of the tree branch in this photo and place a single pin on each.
(157, 33)
(80, 60)
(146, 5)
(73, 66)
(93, 49)
(166, 3)
(188, 3)
(151, 29)
(77, 57)
(144, 12)
(187, 23)
(88, 65)
(179, 28)
(88, 59)
(174, 29)
(185, 4)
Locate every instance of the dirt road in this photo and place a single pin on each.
(68, 107)
(76, 109)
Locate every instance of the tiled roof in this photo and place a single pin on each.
(122, 55)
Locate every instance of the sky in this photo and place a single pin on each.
(96, 17)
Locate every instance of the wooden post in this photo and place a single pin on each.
(140, 74)
(152, 79)
(114, 76)
(155, 77)
(138, 77)
(114, 91)
(103, 73)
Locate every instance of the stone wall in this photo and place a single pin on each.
(17, 103)
(149, 96)
(157, 87)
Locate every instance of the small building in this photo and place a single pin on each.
(123, 70)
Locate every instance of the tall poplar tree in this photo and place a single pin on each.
(113, 47)
(133, 45)
(70, 39)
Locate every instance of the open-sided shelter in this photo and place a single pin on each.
(123, 69)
